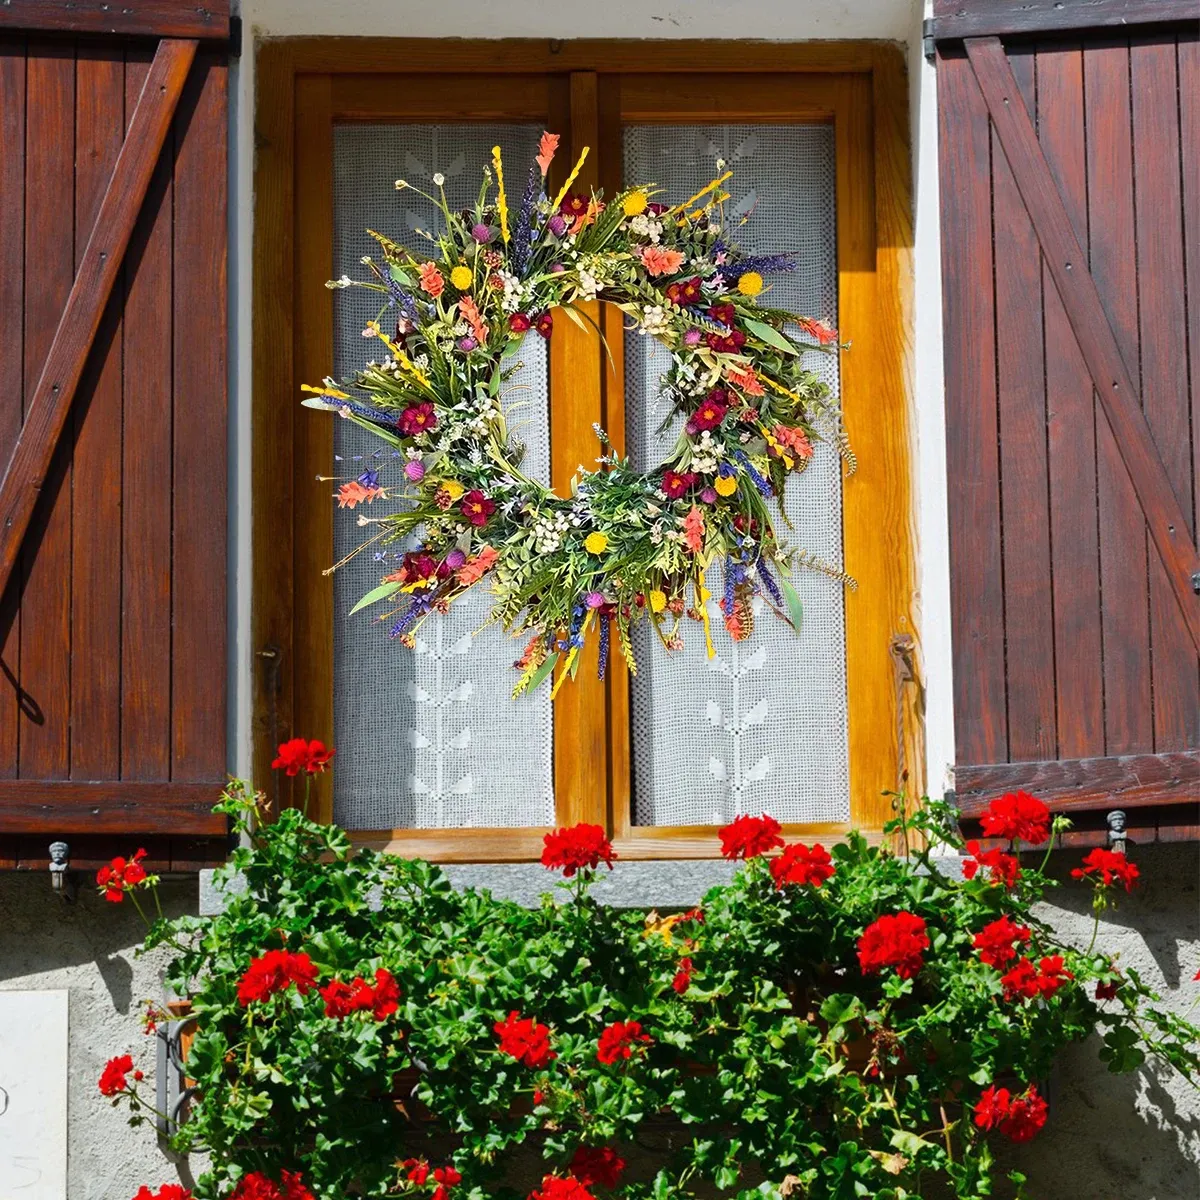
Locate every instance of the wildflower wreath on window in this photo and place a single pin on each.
(626, 545)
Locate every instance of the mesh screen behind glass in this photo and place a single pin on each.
(763, 725)
(427, 739)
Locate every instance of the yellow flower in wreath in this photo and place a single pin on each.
(596, 543)
(726, 485)
(452, 488)
(635, 204)
(658, 601)
(750, 284)
(461, 278)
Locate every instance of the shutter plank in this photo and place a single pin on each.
(1025, 516)
(12, 354)
(45, 665)
(1189, 140)
(146, 487)
(198, 619)
(96, 425)
(1071, 432)
(1164, 385)
(1125, 548)
(977, 602)
(1118, 393)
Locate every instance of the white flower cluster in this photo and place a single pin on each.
(514, 292)
(706, 455)
(655, 320)
(589, 286)
(646, 225)
(548, 530)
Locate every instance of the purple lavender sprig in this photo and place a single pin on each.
(419, 607)
(522, 235)
(399, 297)
(764, 488)
(768, 582)
(764, 264)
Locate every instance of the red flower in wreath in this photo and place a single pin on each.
(676, 484)
(749, 837)
(519, 323)
(574, 204)
(800, 865)
(723, 314)
(898, 940)
(597, 1165)
(581, 847)
(685, 291)
(620, 1040)
(1017, 816)
(113, 1078)
(417, 419)
(525, 1040)
(555, 1187)
(275, 972)
(1106, 867)
(121, 876)
(476, 507)
(995, 941)
(545, 325)
(712, 411)
(1003, 868)
(298, 754)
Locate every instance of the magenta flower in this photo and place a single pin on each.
(481, 233)
(414, 469)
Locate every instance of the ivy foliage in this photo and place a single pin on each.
(784, 1069)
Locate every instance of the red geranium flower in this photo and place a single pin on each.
(897, 941)
(298, 755)
(1052, 974)
(1004, 868)
(676, 484)
(112, 1078)
(995, 941)
(748, 837)
(683, 976)
(1025, 981)
(1107, 867)
(597, 1165)
(168, 1191)
(276, 971)
(580, 847)
(800, 865)
(545, 324)
(385, 996)
(120, 876)
(620, 1040)
(555, 1187)
(342, 999)
(256, 1186)
(445, 1178)
(1025, 1117)
(519, 323)
(712, 411)
(476, 507)
(1017, 816)
(417, 1170)
(525, 1040)
(1018, 1118)
(418, 418)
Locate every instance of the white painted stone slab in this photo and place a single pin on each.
(33, 1095)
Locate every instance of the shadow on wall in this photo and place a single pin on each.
(42, 935)
(1134, 1135)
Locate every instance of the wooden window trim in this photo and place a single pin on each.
(303, 85)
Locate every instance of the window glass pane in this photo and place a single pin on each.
(427, 739)
(763, 725)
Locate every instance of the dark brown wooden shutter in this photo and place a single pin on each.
(1070, 201)
(113, 419)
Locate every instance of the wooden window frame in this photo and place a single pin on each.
(587, 90)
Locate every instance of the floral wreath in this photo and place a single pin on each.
(626, 545)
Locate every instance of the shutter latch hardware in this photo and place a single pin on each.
(1196, 582)
(62, 878)
(1116, 830)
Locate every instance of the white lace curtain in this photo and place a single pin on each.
(427, 739)
(763, 725)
